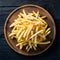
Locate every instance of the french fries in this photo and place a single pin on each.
(29, 30)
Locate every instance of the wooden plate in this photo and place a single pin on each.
(29, 8)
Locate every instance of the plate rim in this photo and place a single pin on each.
(20, 8)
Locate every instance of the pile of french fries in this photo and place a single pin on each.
(29, 30)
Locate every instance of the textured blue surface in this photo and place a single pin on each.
(6, 6)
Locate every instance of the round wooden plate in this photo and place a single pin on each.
(29, 8)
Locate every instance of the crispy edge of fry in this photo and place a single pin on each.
(21, 46)
(26, 47)
(12, 24)
(43, 17)
(18, 44)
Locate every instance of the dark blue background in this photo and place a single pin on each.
(6, 6)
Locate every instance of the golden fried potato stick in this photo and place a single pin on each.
(43, 17)
(47, 42)
(36, 34)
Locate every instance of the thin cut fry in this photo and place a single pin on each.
(36, 33)
(44, 42)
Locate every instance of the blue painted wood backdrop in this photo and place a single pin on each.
(6, 6)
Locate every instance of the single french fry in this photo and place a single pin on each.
(43, 17)
(21, 46)
(18, 44)
(36, 34)
(47, 42)
(37, 14)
